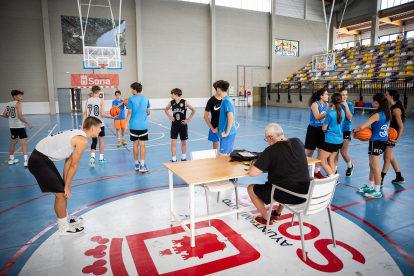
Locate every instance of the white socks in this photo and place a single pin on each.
(25, 157)
(142, 162)
(63, 222)
(100, 156)
(331, 175)
(184, 155)
(136, 162)
(377, 188)
(317, 169)
(370, 184)
(11, 157)
(336, 169)
(119, 138)
(349, 164)
(93, 154)
(174, 158)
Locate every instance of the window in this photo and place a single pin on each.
(366, 41)
(385, 4)
(390, 37)
(254, 5)
(197, 1)
(344, 45)
(285, 47)
(410, 34)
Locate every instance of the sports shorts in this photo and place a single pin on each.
(183, 131)
(102, 132)
(138, 135)
(391, 145)
(328, 147)
(263, 192)
(376, 148)
(347, 135)
(47, 176)
(213, 137)
(18, 133)
(119, 124)
(315, 138)
(227, 143)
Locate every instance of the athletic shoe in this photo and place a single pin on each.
(319, 175)
(143, 168)
(102, 161)
(373, 194)
(14, 161)
(172, 161)
(262, 221)
(382, 182)
(398, 180)
(137, 167)
(349, 171)
(74, 220)
(232, 180)
(123, 142)
(119, 143)
(183, 159)
(364, 189)
(92, 162)
(274, 216)
(70, 230)
(26, 163)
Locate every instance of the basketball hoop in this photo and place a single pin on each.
(103, 67)
(324, 62)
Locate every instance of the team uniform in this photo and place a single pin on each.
(334, 137)
(226, 143)
(119, 122)
(179, 113)
(315, 137)
(213, 106)
(347, 123)
(138, 123)
(378, 141)
(94, 110)
(393, 124)
(17, 128)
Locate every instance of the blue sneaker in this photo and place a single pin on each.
(233, 180)
(172, 161)
(101, 162)
(373, 194)
(183, 159)
(92, 162)
(364, 189)
(137, 167)
(143, 168)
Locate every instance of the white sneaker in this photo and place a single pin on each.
(26, 162)
(14, 161)
(70, 230)
(74, 220)
(92, 162)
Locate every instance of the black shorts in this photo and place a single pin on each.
(315, 138)
(182, 130)
(102, 133)
(331, 147)
(46, 174)
(391, 145)
(135, 135)
(263, 192)
(376, 148)
(347, 135)
(18, 133)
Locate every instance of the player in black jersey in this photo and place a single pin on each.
(179, 123)
(213, 106)
(398, 118)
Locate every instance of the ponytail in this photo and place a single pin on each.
(316, 96)
(396, 97)
(384, 105)
(336, 101)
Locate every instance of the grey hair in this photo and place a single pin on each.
(273, 130)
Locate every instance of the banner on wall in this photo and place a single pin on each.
(89, 80)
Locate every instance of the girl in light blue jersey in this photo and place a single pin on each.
(379, 123)
(333, 125)
(314, 134)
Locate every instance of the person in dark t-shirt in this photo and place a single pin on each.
(213, 107)
(287, 166)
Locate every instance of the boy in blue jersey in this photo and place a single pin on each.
(379, 123)
(226, 127)
(137, 121)
(119, 122)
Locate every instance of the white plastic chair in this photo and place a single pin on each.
(217, 186)
(319, 197)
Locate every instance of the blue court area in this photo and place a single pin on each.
(27, 215)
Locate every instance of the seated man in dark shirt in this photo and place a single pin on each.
(287, 166)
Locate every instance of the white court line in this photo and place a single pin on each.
(237, 124)
(160, 125)
(51, 131)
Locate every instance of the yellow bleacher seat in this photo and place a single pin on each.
(368, 62)
(389, 64)
(352, 67)
(382, 75)
(329, 51)
(409, 73)
(369, 76)
(349, 76)
(385, 56)
(305, 78)
(321, 86)
(365, 58)
(370, 70)
(369, 58)
(300, 72)
(351, 57)
(398, 40)
(398, 50)
(367, 45)
(409, 67)
(390, 59)
(336, 61)
(365, 55)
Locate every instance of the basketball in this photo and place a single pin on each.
(126, 102)
(392, 134)
(365, 134)
(114, 111)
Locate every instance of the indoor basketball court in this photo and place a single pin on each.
(169, 212)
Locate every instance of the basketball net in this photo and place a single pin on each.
(104, 67)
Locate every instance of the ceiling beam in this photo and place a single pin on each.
(390, 21)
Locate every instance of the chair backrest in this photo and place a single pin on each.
(320, 195)
(203, 154)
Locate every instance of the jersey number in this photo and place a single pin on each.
(95, 109)
(11, 112)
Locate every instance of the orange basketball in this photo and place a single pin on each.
(364, 134)
(114, 111)
(392, 134)
(126, 102)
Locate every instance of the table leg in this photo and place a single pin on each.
(312, 170)
(192, 215)
(170, 178)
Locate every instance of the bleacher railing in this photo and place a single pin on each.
(355, 86)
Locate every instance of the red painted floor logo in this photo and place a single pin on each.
(206, 243)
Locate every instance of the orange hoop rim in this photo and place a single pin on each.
(103, 65)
